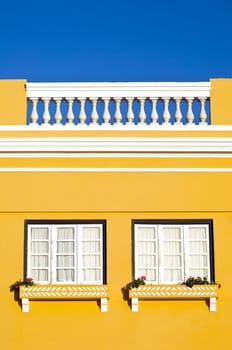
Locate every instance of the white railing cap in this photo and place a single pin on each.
(111, 90)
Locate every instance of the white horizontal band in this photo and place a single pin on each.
(118, 170)
(117, 144)
(116, 127)
(115, 155)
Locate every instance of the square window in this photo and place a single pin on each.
(169, 252)
(67, 252)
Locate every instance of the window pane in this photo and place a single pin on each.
(173, 275)
(40, 275)
(65, 275)
(91, 247)
(39, 261)
(92, 233)
(198, 260)
(91, 275)
(146, 233)
(65, 247)
(65, 260)
(198, 247)
(171, 233)
(146, 247)
(172, 247)
(39, 247)
(39, 233)
(198, 233)
(91, 260)
(65, 233)
(146, 260)
(172, 261)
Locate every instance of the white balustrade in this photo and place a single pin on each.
(118, 103)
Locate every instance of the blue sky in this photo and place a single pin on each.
(113, 40)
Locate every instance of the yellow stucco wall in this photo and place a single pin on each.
(115, 192)
(118, 198)
(12, 102)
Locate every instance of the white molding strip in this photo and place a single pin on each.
(139, 155)
(115, 127)
(117, 144)
(116, 170)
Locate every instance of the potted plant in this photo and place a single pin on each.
(28, 281)
(137, 282)
(191, 281)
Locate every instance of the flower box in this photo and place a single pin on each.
(63, 292)
(164, 291)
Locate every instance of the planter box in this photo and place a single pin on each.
(159, 291)
(63, 292)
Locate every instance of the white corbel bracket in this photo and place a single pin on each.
(212, 304)
(25, 305)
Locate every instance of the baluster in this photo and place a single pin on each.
(142, 115)
(190, 115)
(202, 115)
(94, 115)
(178, 114)
(46, 114)
(58, 115)
(118, 115)
(70, 115)
(106, 113)
(82, 115)
(166, 114)
(154, 114)
(34, 114)
(130, 115)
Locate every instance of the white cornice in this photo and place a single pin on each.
(116, 145)
(136, 89)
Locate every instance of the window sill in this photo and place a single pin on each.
(177, 291)
(64, 292)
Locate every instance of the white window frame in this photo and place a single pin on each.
(159, 261)
(78, 252)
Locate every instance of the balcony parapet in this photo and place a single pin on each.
(114, 104)
(64, 292)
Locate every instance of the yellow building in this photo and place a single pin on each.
(101, 184)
